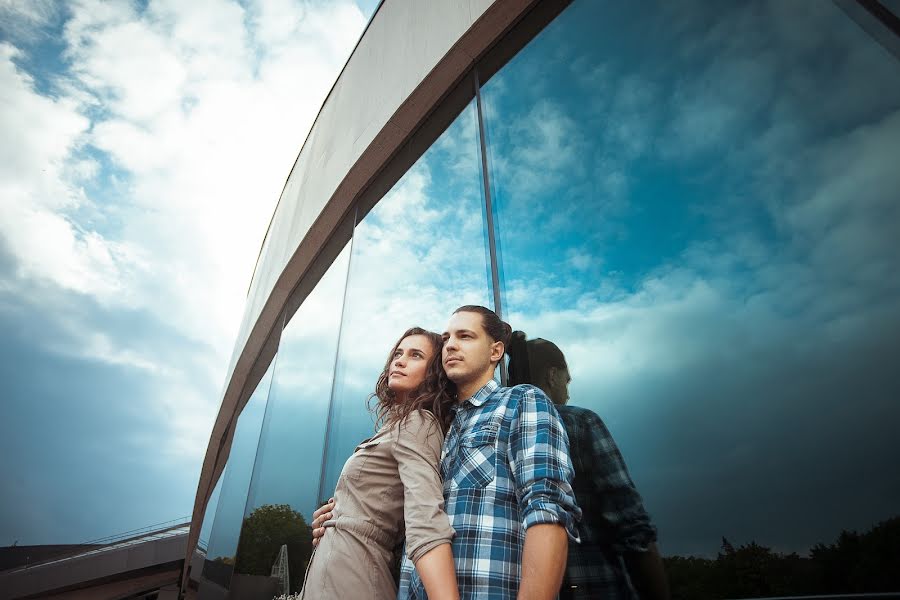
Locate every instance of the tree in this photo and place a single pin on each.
(865, 562)
(262, 535)
(854, 563)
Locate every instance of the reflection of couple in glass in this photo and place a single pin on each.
(502, 474)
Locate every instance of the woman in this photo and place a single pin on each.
(390, 487)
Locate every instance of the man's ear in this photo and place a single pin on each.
(497, 350)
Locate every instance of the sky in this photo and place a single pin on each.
(144, 147)
(699, 207)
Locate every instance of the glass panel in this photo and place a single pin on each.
(209, 515)
(697, 203)
(417, 255)
(235, 483)
(283, 493)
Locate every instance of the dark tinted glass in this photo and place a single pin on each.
(697, 204)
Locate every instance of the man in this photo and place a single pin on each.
(507, 474)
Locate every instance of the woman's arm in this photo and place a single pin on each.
(438, 573)
(428, 531)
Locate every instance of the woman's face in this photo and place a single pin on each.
(409, 364)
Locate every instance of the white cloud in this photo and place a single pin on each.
(24, 20)
(39, 189)
(146, 177)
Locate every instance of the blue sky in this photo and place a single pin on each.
(144, 147)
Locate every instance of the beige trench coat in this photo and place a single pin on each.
(389, 487)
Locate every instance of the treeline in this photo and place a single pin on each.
(854, 563)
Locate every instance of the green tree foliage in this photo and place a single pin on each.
(855, 563)
(262, 535)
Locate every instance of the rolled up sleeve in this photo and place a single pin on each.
(542, 467)
(417, 452)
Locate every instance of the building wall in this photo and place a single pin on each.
(698, 204)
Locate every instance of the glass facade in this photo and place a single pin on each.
(210, 515)
(235, 484)
(416, 256)
(694, 206)
(284, 487)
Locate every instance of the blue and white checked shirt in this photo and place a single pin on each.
(506, 467)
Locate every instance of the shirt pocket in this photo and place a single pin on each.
(361, 455)
(477, 458)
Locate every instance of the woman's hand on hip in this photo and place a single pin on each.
(322, 514)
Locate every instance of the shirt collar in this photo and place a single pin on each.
(479, 397)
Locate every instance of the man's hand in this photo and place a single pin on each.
(322, 514)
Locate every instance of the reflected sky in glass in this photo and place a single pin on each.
(416, 256)
(235, 479)
(699, 204)
(209, 516)
(289, 459)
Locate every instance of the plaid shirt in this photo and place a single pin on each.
(506, 467)
(614, 520)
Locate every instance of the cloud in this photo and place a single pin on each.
(24, 21)
(144, 151)
(193, 202)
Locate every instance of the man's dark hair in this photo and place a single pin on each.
(495, 327)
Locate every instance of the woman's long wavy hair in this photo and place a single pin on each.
(436, 393)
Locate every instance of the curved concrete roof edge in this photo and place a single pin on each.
(410, 56)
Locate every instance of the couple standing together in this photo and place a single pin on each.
(457, 458)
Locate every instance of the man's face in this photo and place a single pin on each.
(469, 352)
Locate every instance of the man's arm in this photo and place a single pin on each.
(543, 561)
(619, 507)
(648, 574)
(542, 471)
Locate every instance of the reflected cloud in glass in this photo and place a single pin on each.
(699, 206)
(235, 482)
(416, 256)
(288, 463)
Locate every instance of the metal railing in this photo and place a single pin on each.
(156, 531)
(116, 537)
